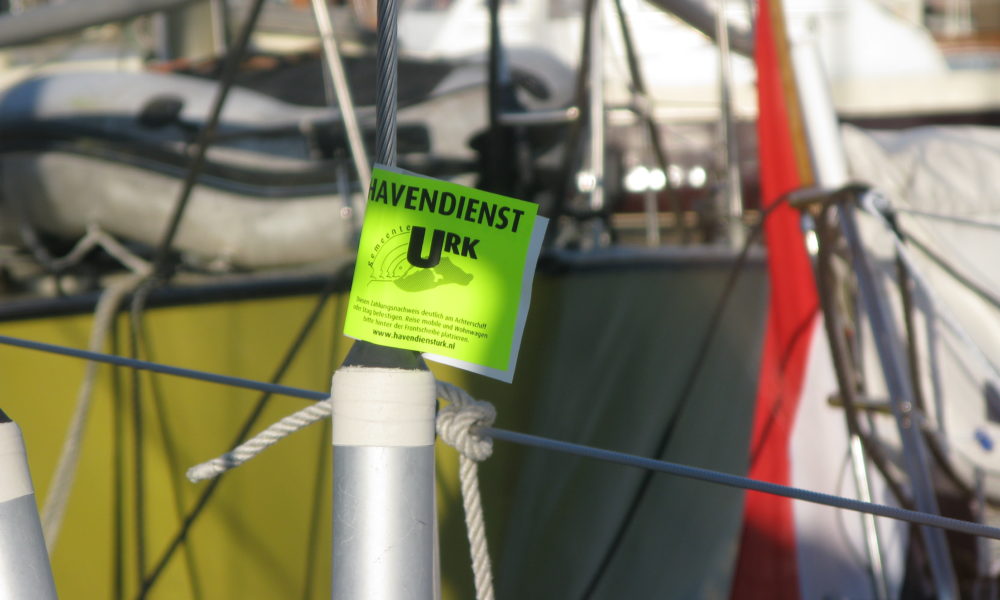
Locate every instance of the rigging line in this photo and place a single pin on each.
(683, 399)
(575, 128)
(61, 484)
(971, 222)
(138, 437)
(495, 79)
(170, 453)
(248, 424)
(937, 440)
(323, 468)
(878, 207)
(118, 470)
(143, 365)
(205, 135)
(945, 315)
(646, 112)
(957, 275)
(799, 336)
(744, 483)
(386, 81)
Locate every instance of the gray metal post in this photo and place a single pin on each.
(25, 572)
(384, 401)
(597, 106)
(873, 545)
(341, 89)
(220, 25)
(731, 197)
(596, 233)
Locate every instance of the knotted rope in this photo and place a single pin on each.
(456, 425)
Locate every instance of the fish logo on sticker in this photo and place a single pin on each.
(398, 257)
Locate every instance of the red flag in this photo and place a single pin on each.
(766, 567)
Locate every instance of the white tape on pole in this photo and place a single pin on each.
(15, 480)
(383, 407)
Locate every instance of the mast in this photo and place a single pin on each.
(384, 403)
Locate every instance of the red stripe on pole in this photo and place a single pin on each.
(766, 567)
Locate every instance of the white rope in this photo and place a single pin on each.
(97, 237)
(454, 424)
(62, 480)
(61, 484)
(260, 442)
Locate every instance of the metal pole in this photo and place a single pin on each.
(24, 563)
(873, 544)
(383, 487)
(597, 107)
(645, 105)
(731, 208)
(220, 25)
(846, 375)
(384, 402)
(342, 91)
(598, 234)
(652, 210)
(497, 84)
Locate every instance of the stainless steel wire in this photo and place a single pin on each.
(386, 84)
(524, 439)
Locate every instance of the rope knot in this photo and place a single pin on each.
(455, 422)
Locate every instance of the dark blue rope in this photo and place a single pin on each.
(881, 510)
(134, 363)
(697, 473)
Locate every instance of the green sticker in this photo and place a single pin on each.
(446, 270)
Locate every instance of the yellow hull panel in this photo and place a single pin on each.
(266, 532)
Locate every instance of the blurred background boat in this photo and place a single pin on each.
(652, 185)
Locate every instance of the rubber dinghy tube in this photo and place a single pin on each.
(66, 17)
(24, 563)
